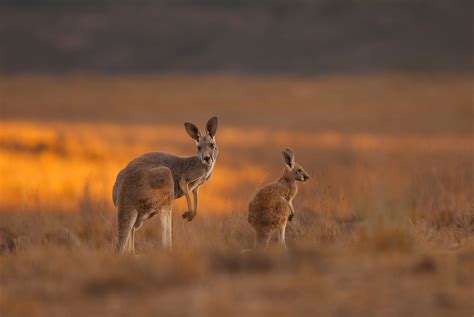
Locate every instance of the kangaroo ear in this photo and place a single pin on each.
(192, 130)
(211, 126)
(288, 158)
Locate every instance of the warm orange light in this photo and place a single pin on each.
(58, 165)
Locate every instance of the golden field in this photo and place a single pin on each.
(384, 227)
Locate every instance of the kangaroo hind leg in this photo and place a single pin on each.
(262, 237)
(166, 228)
(126, 220)
(281, 236)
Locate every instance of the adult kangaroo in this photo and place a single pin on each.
(150, 183)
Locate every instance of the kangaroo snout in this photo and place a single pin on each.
(206, 158)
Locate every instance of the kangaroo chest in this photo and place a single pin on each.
(198, 182)
(201, 180)
(292, 192)
(193, 184)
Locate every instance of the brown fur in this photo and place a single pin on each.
(148, 185)
(272, 208)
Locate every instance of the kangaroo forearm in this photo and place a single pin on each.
(188, 201)
(195, 194)
(184, 187)
(292, 211)
(291, 207)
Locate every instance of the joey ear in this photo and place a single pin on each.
(192, 130)
(289, 151)
(211, 126)
(288, 158)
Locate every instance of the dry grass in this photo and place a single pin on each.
(385, 227)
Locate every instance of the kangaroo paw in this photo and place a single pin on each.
(290, 217)
(189, 215)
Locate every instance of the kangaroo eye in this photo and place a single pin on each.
(199, 148)
(299, 170)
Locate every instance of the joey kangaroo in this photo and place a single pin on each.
(150, 183)
(272, 206)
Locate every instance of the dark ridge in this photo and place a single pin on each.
(281, 36)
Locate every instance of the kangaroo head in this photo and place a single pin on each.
(205, 144)
(293, 170)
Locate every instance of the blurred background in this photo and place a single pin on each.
(318, 37)
(374, 97)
